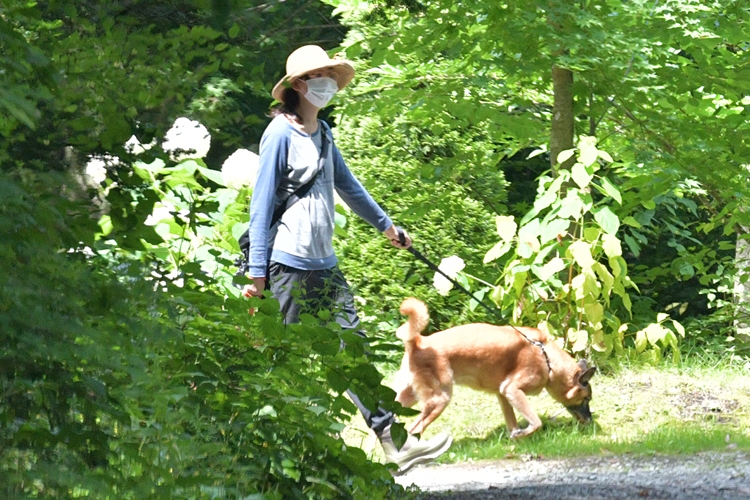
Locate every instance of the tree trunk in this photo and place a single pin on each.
(742, 290)
(563, 127)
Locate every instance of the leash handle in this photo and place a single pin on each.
(401, 235)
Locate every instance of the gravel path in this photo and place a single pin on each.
(705, 476)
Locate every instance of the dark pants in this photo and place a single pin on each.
(299, 291)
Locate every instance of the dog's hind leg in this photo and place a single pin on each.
(432, 408)
(517, 398)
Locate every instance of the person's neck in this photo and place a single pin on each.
(309, 115)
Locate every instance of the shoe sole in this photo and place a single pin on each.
(424, 458)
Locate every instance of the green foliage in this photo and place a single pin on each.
(442, 189)
(564, 266)
(130, 368)
(680, 171)
(21, 63)
(139, 373)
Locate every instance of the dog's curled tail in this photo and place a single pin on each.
(418, 318)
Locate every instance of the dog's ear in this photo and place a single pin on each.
(585, 374)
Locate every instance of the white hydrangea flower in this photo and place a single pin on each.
(187, 139)
(240, 169)
(451, 266)
(135, 147)
(96, 168)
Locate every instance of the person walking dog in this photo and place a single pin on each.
(292, 219)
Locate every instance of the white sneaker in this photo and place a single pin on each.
(414, 451)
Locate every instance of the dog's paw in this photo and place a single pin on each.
(518, 433)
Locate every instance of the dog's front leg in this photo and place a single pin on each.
(517, 398)
(406, 397)
(508, 412)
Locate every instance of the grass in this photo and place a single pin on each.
(701, 405)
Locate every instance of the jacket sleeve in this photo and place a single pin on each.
(356, 196)
(274, 148)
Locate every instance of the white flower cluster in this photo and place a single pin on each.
(187, 139)
(240, 169)
(451, 266)
(134, 146)
(96, 168)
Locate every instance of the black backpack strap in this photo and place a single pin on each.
(302, 191)
(244, 240)
(305, 188)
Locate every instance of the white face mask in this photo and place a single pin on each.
(321, 90)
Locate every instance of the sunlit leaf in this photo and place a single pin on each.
(611, 245)
(587, 151)
(581, 253)
(506, 227)
(607, 220)
(611, 190)
(565, 155)
(550, 268)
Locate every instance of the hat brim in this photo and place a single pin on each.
(343, 74)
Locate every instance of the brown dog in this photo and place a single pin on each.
(507, 361)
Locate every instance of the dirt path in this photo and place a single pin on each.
(705, 476)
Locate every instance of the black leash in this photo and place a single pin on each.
(416, 253)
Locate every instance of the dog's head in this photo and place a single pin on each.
(579, 396)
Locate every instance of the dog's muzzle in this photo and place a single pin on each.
(581, 412)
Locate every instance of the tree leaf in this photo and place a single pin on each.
(605, 156)
(607, 220)
(549, 269)
(594, 312)
(581, 175)
(565, 155)
(640, 341)
(552, 229)
(580, 341)
(611, 190)
(213, 175)
(497, 251)
(337, 381)
(581, 253)
(506, 227)
(587, 151)
(611, 245)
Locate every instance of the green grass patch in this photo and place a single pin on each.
(564, 441)
(701, 405)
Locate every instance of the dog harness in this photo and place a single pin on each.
(537, 343)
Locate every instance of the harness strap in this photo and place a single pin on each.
(539, 344)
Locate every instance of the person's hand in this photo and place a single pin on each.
(254, 289)
(392, 234)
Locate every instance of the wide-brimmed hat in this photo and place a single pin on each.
(310, 58)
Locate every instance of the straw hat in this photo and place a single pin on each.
(310, 58)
